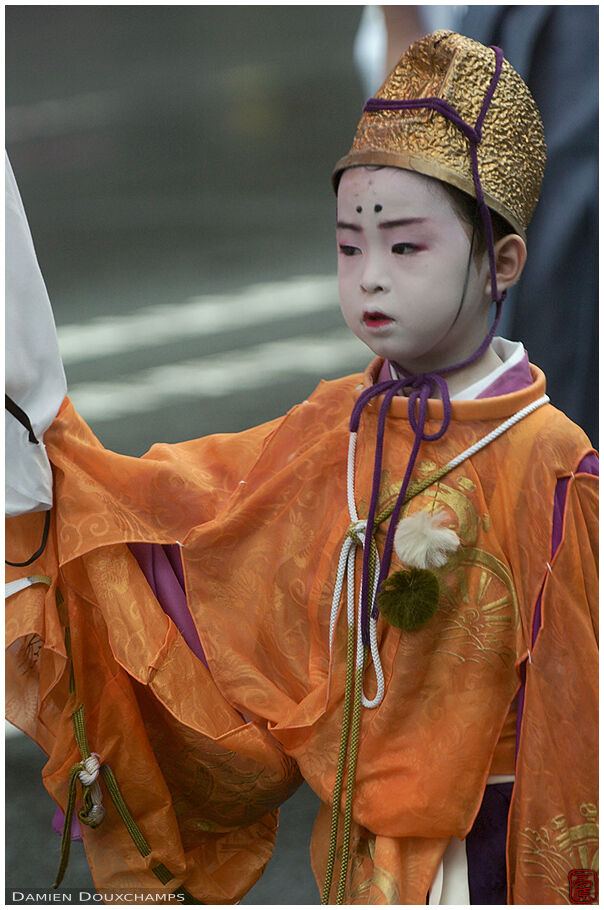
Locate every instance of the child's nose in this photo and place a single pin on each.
(374, 277)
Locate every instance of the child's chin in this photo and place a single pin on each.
(386, 348)
(377, 351)
(386, 352)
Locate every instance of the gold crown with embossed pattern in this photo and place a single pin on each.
(458, 70)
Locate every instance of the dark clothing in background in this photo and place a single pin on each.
(554, 307)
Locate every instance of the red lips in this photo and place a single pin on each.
(373, 319)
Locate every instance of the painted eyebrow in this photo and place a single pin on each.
(400, 222)
(383, 225)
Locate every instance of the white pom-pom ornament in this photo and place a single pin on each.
(422, 542)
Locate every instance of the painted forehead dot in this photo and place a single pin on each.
(359, 208)
(377, 208)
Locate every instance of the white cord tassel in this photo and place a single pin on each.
(92, 765)
(422, 541)
(97, 813)
(89, 778)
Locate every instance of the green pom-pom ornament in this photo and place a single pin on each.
(409, 598)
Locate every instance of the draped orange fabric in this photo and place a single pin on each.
(261, 517)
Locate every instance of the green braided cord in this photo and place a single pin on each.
(160, 871)
(352, 532)
(79, 726)
(373, 558)
(418, 486)
(64, 618)
(84, 813)
(72, 686)
(61, 608)
(133, 830)
(79, 729)
(82, 742)
(163, 874)
(352, 764)
(356, 719)
(66, 837)
(337, 793)
(41, 580)
(352, 761)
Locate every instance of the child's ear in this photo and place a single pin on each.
(510, 256)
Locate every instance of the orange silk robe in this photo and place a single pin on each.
(261, 516)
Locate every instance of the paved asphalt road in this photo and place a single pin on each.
(174, 163)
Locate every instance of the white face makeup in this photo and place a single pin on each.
(402, 261)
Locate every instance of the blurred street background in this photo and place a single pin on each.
(174, 164)
(175, 157)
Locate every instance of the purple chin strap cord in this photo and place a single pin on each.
(422, 385)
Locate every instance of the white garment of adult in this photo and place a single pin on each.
(34, 375)
(371, 39)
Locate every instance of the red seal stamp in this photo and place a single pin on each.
(583, 886)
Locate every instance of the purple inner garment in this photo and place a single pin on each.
(485, 847)
(162, 567)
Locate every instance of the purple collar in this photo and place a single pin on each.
(513, 379)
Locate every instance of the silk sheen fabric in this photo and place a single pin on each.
(261, 516)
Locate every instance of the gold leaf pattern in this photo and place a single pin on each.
(552, 851)
(511, 155)
(479, 608)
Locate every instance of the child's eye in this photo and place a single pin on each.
(348, 250)
(402, 248)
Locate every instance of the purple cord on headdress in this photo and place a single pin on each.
(474, 137)
(422, 385)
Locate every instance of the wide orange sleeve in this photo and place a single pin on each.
(554, 814)
(202, 783)
(102, 497)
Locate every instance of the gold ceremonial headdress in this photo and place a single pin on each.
(453, 93)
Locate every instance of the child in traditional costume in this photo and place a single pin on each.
(390, 592)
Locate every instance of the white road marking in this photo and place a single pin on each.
(220, 374)
(200, 316)
(59, 116)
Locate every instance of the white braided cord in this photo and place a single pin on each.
(339, 584)
(352, 448)
(91, 765)
(498, 431)
(373, 645)
(89, 778)
(350, 580)
(356, 537)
